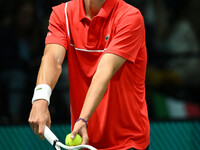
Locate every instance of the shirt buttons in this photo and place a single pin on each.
(92, 43)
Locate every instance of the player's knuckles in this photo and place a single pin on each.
(41, 122)
(33, 120)
(30, 122)
(30, 119)
(34, 123)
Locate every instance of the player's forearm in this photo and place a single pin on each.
(96, 92)
(51, 65)
(108, 66)
(49, 71)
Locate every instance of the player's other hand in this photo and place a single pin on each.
(39, 117)
(80, 128)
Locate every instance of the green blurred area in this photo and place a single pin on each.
(178, 135)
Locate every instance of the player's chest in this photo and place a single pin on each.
(91, 35)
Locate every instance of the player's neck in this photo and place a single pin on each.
(92, 7)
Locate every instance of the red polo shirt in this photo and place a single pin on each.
(121, 119)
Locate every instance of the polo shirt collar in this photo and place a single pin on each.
(104, 11)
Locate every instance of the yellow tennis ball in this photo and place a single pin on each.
(76, 141)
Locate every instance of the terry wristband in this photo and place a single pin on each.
(42, 91)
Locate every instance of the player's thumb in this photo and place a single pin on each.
(73, 134)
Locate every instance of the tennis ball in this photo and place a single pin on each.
(76, 141)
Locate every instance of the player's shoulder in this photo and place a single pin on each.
(70, 6)
(59, 9)
(127, 11)
(127, 7)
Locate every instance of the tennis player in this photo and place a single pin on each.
(105, 45)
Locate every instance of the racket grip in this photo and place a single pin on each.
(50, 136)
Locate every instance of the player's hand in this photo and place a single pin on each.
(80, 128)
(39, 117)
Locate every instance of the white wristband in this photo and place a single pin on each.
(42, 91)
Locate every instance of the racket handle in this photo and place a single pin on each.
(50, 136)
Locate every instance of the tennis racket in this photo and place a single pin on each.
(53, 140)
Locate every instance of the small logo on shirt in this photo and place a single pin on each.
(107, 37)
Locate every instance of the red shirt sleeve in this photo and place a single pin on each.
(129, 37)
(57, 27)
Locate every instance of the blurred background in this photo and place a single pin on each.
(173, 73)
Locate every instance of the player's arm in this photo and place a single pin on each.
(108, 66)
(49, 72)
